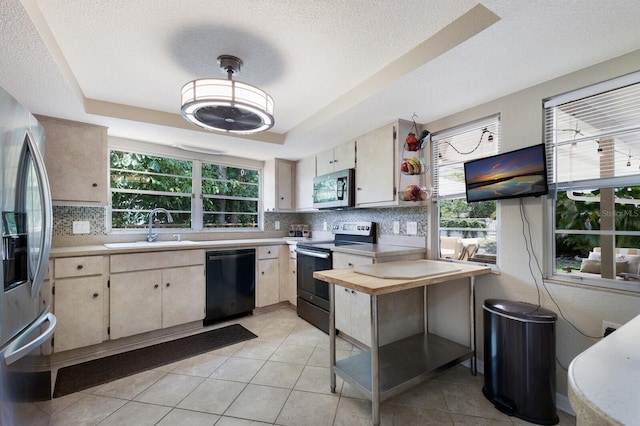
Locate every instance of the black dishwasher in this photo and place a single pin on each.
(231, 283)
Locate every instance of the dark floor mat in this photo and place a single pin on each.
(102, 370)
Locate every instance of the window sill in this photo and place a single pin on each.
(590, 281)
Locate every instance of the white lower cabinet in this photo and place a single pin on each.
(79, 310)
(136, 303)
(79, 299)
(288, 283)
(353, 314)
(353, 309)
(150, 291)
(288, 272)
(268, 282)
(183, 295)
(150, 300)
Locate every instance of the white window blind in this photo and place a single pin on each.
(453, 147)
(595, 137)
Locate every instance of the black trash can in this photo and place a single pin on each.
(520, 360)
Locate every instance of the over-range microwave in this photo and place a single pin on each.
(334, 190)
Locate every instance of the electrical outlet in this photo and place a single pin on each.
(277, 225)
(608, 324)
(412, 228)
(396, 227)
(324, 226)
(81, 227)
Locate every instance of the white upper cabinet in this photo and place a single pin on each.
(339, 158)
(305, 172)
(375, 172)
(76, 157)
(279, 184)
(379, 177)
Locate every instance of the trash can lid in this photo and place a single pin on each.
(520, 310)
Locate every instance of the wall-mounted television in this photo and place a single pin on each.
(515, 174)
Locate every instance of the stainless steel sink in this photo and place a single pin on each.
(145, 244)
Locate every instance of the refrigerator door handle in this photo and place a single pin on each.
(17, 350)
(47, 215)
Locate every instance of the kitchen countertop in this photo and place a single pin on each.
(370, 250)
(603, 380)
(102, 250)
(375, 286)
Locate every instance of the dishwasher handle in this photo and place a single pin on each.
(213, 257)
(313, 253)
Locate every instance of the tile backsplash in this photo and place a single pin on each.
(64, 216)
(383, 217)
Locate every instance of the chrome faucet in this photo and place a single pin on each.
(154, 235)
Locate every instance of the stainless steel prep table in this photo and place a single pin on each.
(383, 372)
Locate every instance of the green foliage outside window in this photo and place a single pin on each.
(585, 216)
(141, 182)
(231, 196)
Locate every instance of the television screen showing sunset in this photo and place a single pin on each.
(513, 174)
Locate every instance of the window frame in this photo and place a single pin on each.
(196, 196)
(553, 143)
(437, 230)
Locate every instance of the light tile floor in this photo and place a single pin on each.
(280, 378)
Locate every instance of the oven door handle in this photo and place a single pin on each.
(313, 253)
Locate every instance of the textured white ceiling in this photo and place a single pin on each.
(335, 68)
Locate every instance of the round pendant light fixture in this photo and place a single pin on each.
(227, 105)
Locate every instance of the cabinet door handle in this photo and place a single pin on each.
(95, 185)
(95, 295)
(353, 292)
(346, 290)
(350, 264)
(156, 286)
(359, 189)
(79, 267)
(168, 284)
(262, 272)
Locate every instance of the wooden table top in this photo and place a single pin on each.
(374, 285)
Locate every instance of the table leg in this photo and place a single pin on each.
(332, 337)
(375, 368)
(425, 309)
(472, 324)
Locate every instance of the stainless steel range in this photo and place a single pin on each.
(313, 294)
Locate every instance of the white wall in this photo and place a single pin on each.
(522, 125)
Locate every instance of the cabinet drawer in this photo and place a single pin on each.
(345, 260)
(268, 252)
(77, 266)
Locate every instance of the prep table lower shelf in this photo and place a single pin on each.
(403, 364)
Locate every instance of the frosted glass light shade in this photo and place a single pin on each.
(227, 106)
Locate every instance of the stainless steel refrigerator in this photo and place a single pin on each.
(26, 322)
